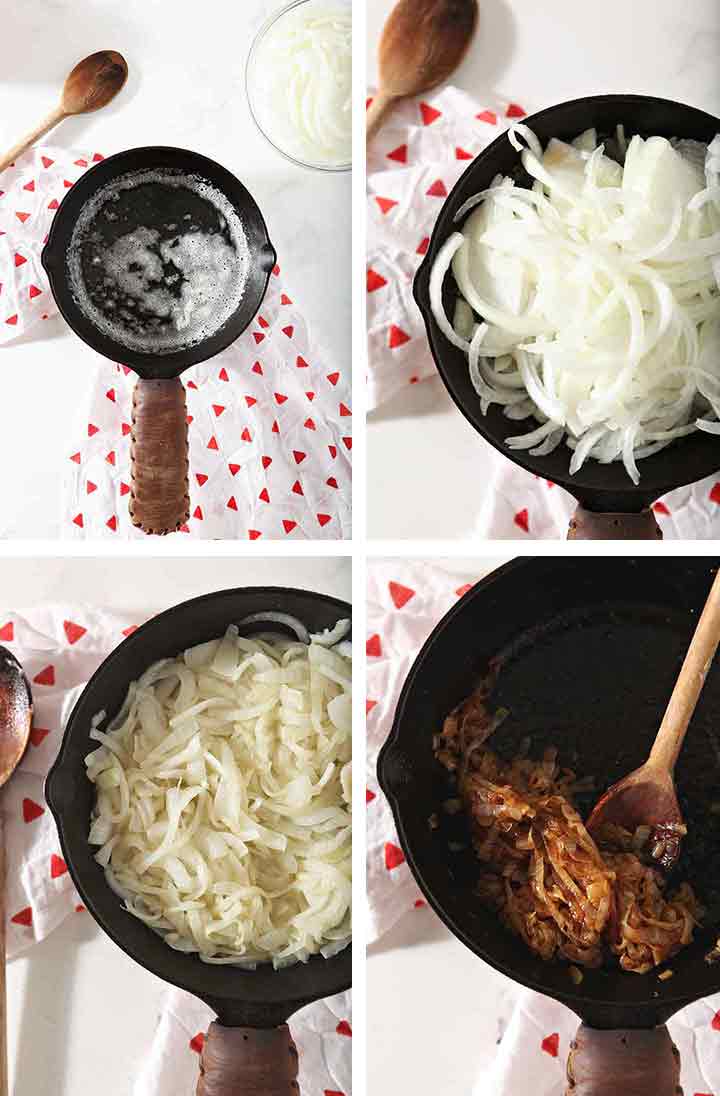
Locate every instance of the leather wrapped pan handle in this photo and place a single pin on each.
(636, 1062)
(159, 499)
(247, 1061)
(588, 525)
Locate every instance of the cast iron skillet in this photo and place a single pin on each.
(590, 649)
(249, 1048)
(159, 501)
(611, 507)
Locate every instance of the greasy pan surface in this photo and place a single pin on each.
(604, 487)
(262, 256)
(263, 997)
(591, 650)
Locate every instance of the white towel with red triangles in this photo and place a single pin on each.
(268, 419)
(404, 603)
(413, 163)
(60, 647)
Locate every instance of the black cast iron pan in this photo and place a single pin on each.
(159, 501)
(611, 506)
(249, 1048)
(590, 649)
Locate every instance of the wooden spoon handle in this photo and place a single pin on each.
(159, 499)
(376, 112)
(3, 992)
(688, 686)
(604, 1063)
(48, 123)
(248, 1062)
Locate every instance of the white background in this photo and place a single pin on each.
(186, 88)
(81, 1014)
(426, 465)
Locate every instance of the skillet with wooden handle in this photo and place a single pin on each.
(589, 651)
(610, 506)
(248, 1049)
(159, 500)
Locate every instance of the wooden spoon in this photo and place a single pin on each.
(422, 44)
(16, 709)
(647, 797)
(92, 84)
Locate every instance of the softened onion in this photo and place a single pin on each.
(223, 814)
(591, 301)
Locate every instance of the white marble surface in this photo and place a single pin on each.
(420, 449)
(186, 88)
(81, 1014)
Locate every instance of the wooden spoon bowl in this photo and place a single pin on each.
(15, 714)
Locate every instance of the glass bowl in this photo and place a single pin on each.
(253, 90)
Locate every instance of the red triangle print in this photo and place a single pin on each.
(399, 154)
(461, 154)
(130, 629)
(45, 677)
(400, 594)
(369, 705)
(437, 190)
(212, 444)
(284, 299)
(288, 526)
(332, 1092)
(19, 259)
(31, 810)
(78, 520)
(419, 903)
(299, 456)
(258, 337)
(369, 796)
(92, 429)
(309, 424)
(58, 867)
(22, 217)
(7, 632)
(257, 368)
(189, 419)
(515, 111)
(429, 114)
(310, 396)
(522, 520)
(201, 478)
(73, 631)
(332, 451)
(551, 1044)
(234, 469)
(323, 519)
(394, 856)
(250, 400)
(223, 374)
(344, 411)
(263, 496)
(275, 427)
(197, 1042)
(289, 331)
(38, 735)
(191, 384)
(280, 398)
(266, 462)
(197, 513)
(97, 157)
(12, 320)
(333, 378)
(276, 270)
(263, 322)
(47, 162)
(375, 281)
(246, 435)
(24, 917)
(372, 647)
(423, 245)
(397, 337)
(386, 204)
(112, 524)
(124, 489)
(67, 184)
(661, 508)
(110, 395)
(110, 458)
(715, 1022)
(462, 590)
(344, 1028)
(218, 409)
(126, 429)
(253, 534)
(301, 363)
(347, 442)
(488, 116)
(231, 504)
(81, 163)
(297, 488)
(715, 494)
(30, 186)
(53, 204)
(332, 482)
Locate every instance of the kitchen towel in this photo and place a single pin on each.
(413, 164)
(60, 647)
(269, 419)
(404, 603)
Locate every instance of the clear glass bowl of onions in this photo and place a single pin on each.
(298, 81)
